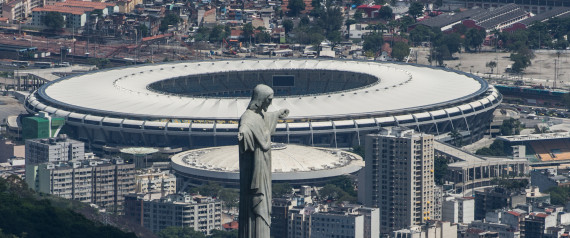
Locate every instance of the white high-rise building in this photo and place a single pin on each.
(398, 177)
(459, 210)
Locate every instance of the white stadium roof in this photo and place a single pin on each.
(291, 162)
(124, 91)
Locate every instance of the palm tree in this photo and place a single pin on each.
(456, 137)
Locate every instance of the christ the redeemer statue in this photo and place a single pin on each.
(256, 126)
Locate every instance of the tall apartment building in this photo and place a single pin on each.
(398, 178)
(299, 222)
(200, 213)
(279, 214)
(52, 150)
(83, 181)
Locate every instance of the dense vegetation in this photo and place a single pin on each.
(27, 214)
(187, 232)
(559, 195)
(498, 148)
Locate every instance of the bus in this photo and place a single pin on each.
(18, 63)
(43, 65)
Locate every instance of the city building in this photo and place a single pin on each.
(535, 197)
(202, 214)
(435, 229)
(504, 230)
(349, 221)
(55, 149)
(19, 9)
(458, 209)
(535, 225)
(299, 221)
(100, 182)
(545, 179)
(279, 216)
(398, 177)
(496, 198)
(76, 13)
(155, 181)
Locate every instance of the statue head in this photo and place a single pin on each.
(261, 98)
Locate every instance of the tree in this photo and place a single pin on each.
(540, 130)
(295, 7)
(224, 234)
(179, 232)
(491, 65)
(53, 20)
(217, 33)
(440, 169)
(421, 34)
(521, 59)
(101, 63)
(373, 42)
(211, 189)
(230, 197)
(143, 30)
(416, 9)
(247, 31)
(358, 15)
(405, 21)
(331, 22)
(474, 38)
(262, 37)
(359, 150)
(400, 51)
(169, 19)
(511, 126)
(281, 189)
(497, 148)
(288, 25)
(385, 13)
(520, 62)
(456, 137)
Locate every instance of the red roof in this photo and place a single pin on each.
(369, 7)
(543, 215)
(234, 225)
(514, 213)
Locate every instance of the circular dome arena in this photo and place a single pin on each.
(294, 164)
(332, 103)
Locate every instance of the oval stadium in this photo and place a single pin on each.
(333, 103)
(294, 164)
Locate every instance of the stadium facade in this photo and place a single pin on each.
(333, 103)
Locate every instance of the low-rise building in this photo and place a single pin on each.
(435, 229)
(155, 181)
(200, 213)
(496, 198)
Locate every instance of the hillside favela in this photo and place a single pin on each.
(285, 118)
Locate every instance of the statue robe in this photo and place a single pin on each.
(255, 173)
